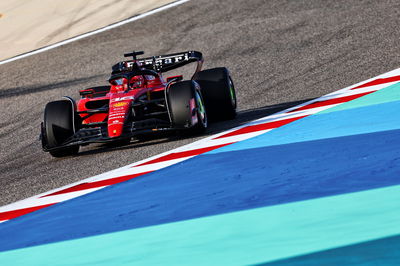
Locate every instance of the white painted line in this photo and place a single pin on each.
(47, 200)
(149, 13)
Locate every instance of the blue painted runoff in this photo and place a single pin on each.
(219, 183)
(365, 119)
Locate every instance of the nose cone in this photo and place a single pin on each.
(116, 118)
(115, 130)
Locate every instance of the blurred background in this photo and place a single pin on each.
(30, 25)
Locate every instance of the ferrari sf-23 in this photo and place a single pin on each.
(139, 101)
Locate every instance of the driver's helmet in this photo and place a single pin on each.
(136, 82)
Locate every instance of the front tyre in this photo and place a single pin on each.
(186, 107)
(58, 127)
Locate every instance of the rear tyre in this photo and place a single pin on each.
(58, 127)
(218, 92)
(186, 107)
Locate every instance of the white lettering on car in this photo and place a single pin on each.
(122, 98)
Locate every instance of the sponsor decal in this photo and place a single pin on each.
(120, 104)
(122, 98)
(164, 60)
(116, 122)
(116, 116)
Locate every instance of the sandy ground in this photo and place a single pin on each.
(29, 25)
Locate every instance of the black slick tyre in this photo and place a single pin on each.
(218, 92)
(58, 127)
(186, 107)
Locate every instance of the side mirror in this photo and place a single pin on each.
(175, 78)
(87, 92)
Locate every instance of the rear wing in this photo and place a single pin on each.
(159, 63)
(164, 63)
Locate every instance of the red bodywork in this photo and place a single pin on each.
(137, 101)
(120, 96)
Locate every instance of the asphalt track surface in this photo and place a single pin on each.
(280, 53)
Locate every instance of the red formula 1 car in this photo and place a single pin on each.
(139, 101)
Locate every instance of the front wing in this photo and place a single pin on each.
(99, 134)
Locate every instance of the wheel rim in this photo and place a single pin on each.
(232, 93)
(201, 110)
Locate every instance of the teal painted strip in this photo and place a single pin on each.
(240, 238)
(389, 94)
(384, 251)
